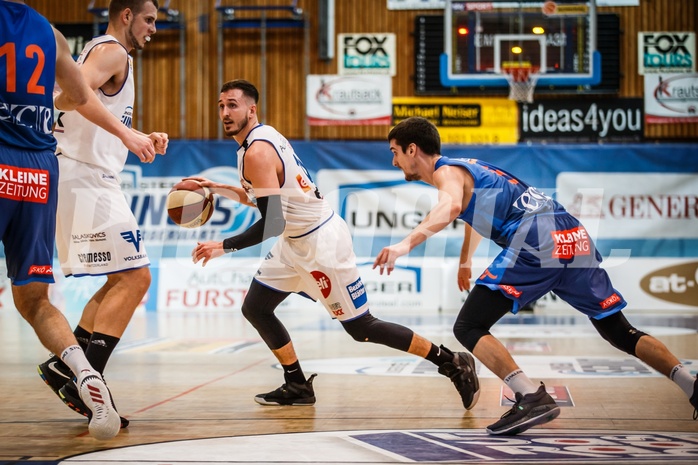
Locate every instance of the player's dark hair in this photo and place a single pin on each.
(247, 88)
(136, 6)
(418, 131)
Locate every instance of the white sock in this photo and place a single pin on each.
(683, 377)
(75, 358)
(517, 381)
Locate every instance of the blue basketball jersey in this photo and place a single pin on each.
(27, 76)
(500, 201)
(544, 247)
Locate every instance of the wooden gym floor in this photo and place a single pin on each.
(187, 381)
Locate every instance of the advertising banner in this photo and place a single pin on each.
(582, 121)
(639, 203)
(632, 205)
(441, 4)
(666, 52)
(348, 100)
(671, 98)
(463, 120)
(366, 53)
(416, 4)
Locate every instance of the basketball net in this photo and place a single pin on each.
(522, 82)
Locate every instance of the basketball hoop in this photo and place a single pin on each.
(522, 82)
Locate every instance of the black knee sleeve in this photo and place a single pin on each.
(483, 308)
(367, 328)
(258, 308)
(618, 332)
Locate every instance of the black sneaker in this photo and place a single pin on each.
(529, 410)
(694, 399)
(463, 375)
(55, 373)
(289, 394)
(70, 397)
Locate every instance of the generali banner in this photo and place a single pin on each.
(671, 98)
(632, 205)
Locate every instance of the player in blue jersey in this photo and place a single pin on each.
(544, 248)
(33, 56)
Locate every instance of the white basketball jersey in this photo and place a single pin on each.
(84, 141)
(304, 208)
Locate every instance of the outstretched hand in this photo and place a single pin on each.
(207, 251)
(385, 260)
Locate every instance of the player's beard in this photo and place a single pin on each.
(410, 176)
(132, 38)
(238, 127)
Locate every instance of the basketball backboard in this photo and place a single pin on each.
(485, 40)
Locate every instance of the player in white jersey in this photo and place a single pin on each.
(313, 255)
(96, 232)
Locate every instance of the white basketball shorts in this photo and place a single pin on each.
(96, 232)
(321, 265)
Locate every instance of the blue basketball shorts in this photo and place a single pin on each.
(28, 196)
(553, 252)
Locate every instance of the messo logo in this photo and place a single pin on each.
(676, 284)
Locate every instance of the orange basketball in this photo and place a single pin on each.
(549, 8)
(189, 204)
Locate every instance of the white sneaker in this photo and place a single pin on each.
(104, 423)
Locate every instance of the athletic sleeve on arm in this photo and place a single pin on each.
(272, 224)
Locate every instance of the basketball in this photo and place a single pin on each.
(189, 204)
(549, 8)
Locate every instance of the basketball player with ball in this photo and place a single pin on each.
(313, 255)
(96, 233)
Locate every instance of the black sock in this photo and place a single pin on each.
(293, 373)
(83, 336)
(100, 349)
(439, 355)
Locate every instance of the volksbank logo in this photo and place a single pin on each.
(133, 238)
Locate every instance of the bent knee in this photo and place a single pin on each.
(469, 336)
(138, 280)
